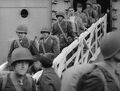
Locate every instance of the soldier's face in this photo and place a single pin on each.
(37, 65)
(21, 67)
(79, 9)
(21, 35)
(60, 18)
(45, 35)
(71, 11)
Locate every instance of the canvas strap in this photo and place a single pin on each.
(62, 32)
(15, 83)
(43, 47)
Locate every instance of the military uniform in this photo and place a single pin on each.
(91, 14)
(18, 79)
(81, 23)
(9, 86)
(93, 81)
(67, 29)
(97, 8)
(23, 43)
(49, 45)
(84, 18)
(90, 77)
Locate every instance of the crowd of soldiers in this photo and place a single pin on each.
(26, 57)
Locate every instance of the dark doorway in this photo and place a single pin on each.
(105, 4)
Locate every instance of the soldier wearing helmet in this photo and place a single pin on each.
(78, 19)
(91, 13)
(48, 43)
(60, 14)
(22, 29)
(22, 41)
(63, 29)
(18, 80)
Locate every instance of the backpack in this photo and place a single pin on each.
(72, 75)
(5, 77)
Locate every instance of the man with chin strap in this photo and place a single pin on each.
(18, 79)
(22, 41)
(48, 43)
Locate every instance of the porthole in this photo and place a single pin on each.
(24, 13)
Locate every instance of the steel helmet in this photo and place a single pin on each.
(21, 54)
(22, 28)
(60, 13)
(45, 30)
(110, 44)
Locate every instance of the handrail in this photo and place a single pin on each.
(85, 49)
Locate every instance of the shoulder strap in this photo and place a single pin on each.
(29, 79)
(30, 42)
(18, 42)
(43, 47)
(62, 32)
(4, 81)
(17, 87)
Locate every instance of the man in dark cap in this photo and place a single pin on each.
(49, 80)
(22, 41)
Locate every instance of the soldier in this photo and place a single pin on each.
(71, 17)
(18, 80)
(82, 15)
(77, 21)
(49, 80)
(100, 76)
(48, 43)
(97, 8)
(91, 13)
(22, 41)
(63, 29)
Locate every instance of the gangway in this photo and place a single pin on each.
(84, 49)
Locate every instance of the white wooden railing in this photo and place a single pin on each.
(85, 49)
